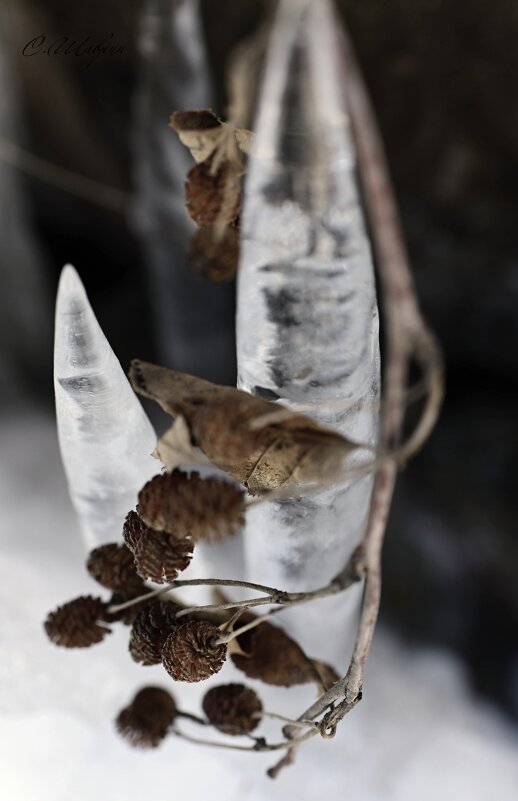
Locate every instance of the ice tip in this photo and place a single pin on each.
(69, 286)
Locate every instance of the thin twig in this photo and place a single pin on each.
(260, 745)
(73, 183)
(352, 572)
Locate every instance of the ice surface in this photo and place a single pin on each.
(105, 437)
(307, 322)
(194, 319)
(418, 735)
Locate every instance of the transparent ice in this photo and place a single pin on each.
(105, 437)
(194, 319)
(307, 321)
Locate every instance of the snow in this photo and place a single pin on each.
(418, 735)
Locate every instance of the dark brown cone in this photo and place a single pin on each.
(273, 657)
(160, 556)
(214, 258)
(149, 630)
(132, 530)
(205, 193)
(129, 614)
(74, 624)
(231, 708)
(146, 721)
(112, 566)
(181, 504)
(190, 653)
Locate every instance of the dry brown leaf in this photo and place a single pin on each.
(213, 194)
(270, 655)
(220, 420)
(201, 131)
(174, 448)
(213, 256)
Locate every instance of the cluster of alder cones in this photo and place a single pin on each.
(174, 511)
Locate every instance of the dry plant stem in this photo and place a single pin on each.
(107, 197)
(407, 337)
(352, 572)
(191, 717)
(260, 745)
(299, 724)
(288, 759)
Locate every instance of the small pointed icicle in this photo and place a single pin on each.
(105, 437)
(307, 321)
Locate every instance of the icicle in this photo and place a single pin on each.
(307, 324)
(194, 319)
(104, 434)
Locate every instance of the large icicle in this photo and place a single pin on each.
(105, 437)
(307, 324)
(194, 319)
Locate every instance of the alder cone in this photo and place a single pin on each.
(112, 566)
(190, 654)
(147, 719)
(150, 628)
(184, 504)
(75, 624)
(160, 556)
(231, 708)
(212, 256)
(205, 193)
(133, 529)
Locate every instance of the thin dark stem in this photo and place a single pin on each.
(191, 717)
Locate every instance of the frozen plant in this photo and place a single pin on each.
(304, 436)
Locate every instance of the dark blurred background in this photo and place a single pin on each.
(442, 76)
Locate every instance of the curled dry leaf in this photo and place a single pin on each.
(270, 655)
(201, 132)
(214, 254)
(223, 423)
(213, 193)
(175, 448)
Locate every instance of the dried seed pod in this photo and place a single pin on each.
(232, 708)
(181, 504)
(214, 257)
(133, 529)
(160, 556)
(212, 195)
(273, 657)
(112, 566)
(147, 719)
(190, 652)
(150, 628)
(75, 624)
